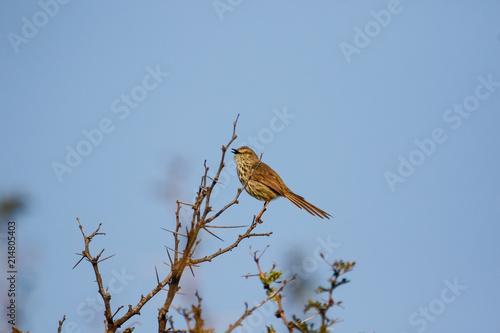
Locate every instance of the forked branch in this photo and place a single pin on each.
(183, 252)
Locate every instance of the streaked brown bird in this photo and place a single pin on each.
(265, 184)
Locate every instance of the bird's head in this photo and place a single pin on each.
(244, 153)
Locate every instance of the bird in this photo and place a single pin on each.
(263, 183)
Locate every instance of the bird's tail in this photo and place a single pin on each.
(300, 202)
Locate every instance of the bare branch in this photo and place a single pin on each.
(183, 254)
(221, 166)
(182, 259)
(144, 299)
(234, 201)
(247, 234)
(95, 261)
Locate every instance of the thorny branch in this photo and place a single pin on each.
(199, 220)
(106, 297)
(183, 258)
(111, 324)
(182, 254)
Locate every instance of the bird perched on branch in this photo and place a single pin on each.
(263, 183)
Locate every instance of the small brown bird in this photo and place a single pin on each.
(265, 184)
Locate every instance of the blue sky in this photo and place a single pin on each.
(384, 114)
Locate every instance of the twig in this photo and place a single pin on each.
(119, 308)
(247, 234)
(234, 201)
(221, 166)
(248, 312)
(60, 324)
(267, 285)
(110, 325)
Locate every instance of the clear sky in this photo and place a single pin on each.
(384, 114)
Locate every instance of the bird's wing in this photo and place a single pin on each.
(269, 177)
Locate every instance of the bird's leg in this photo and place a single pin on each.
(262, 212)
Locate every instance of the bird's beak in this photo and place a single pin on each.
(235, 151)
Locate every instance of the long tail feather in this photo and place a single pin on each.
(300, 202)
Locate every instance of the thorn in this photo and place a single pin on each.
(105, 258)
(263, 252)
(215, 180)
(211, 233)
(173, 250)
(174, 232)
(169, 257)
(79, 261)
(231, 226)
(191, 268)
